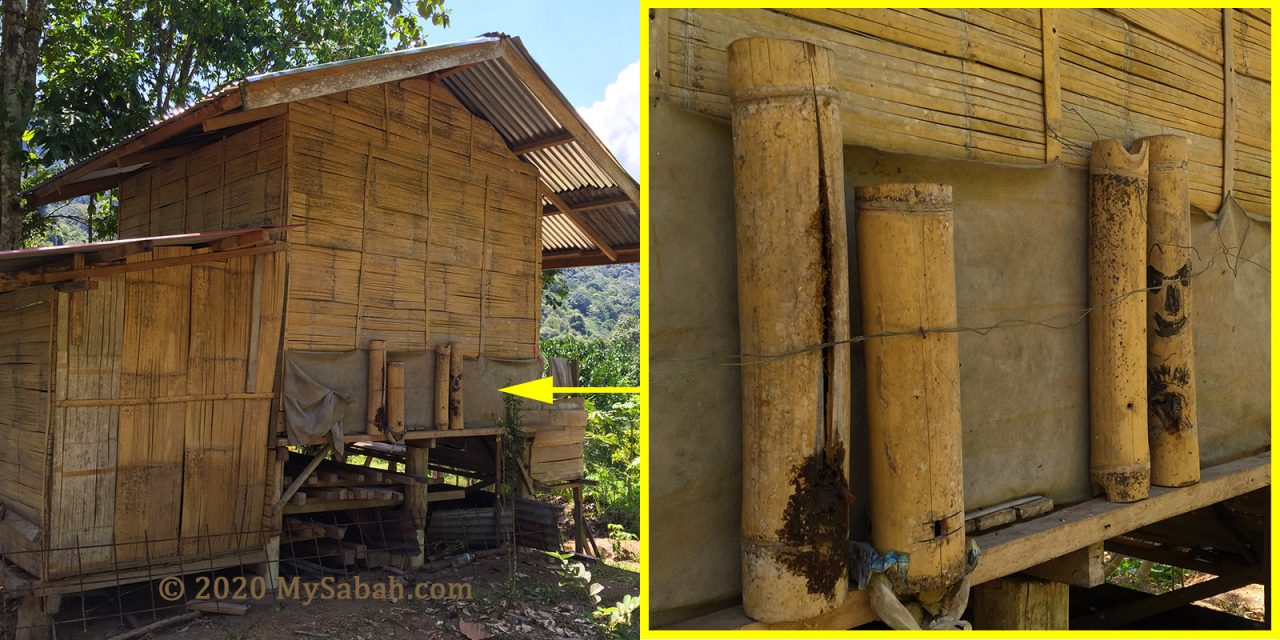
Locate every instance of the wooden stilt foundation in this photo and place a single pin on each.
(1020, 603)
(1171, 384)
(417, 462)
(906, 268)
(442, 386)
(377, 386)
(792, 298)
(1120, 462)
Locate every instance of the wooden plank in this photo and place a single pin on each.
(1052, 79)
(1018, 602)
(1080, 568)
(1026, 544)
(245, 117)
(300, 479)
(1228, 102)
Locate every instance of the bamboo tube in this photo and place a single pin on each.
(1171, 386)
(377, 387)
(442, 386)
(455, 388)
(792, 294)
(1120, 462)
(395, 400)
(906, 269)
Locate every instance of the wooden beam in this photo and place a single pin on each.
(1228, 103)
(534, 421)
(156, 155)
(1080, 568)
(302, 477)
(579, 222)
(568, 259)
(589, 206)
(1052, 83)
(453, 71)
(76, 189)
(289, 86)
(558, 138)
(1024, 545)
(245, 117)
(36, 278)
(1022, 603)
(537, 82)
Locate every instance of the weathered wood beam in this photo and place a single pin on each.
(1080, 568)
(1052, 83)
(589, 206)
(76, 189)
(1023, 545)
(579, 223)
(1147, 607)
(1228, 102)
(156, 155)
(245, 117)
(569, 259)
(551, 140)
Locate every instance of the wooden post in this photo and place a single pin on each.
(442, 386)
(906, 268)
(1120, 462)
(377, 387)
(417, 462)
(1171, 379)
(395, 400)
(34, 619)
(793, 294)
(579, 525)
(455, 388)
(1021, 603)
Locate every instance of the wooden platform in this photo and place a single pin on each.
(1026, 544)
(534, 421)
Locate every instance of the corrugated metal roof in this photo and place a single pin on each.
(491, 88)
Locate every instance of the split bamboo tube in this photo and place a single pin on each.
(395, 400)
(442, 386)
(455, 387)
(792, 296)
(1171, 385)
(1120, 462)
(377, 386)
(906, 269)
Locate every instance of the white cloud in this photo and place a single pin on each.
(616, 118)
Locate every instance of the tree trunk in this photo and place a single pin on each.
(20, 31)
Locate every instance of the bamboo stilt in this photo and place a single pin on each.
(906, 269)
(792, 294)
(377, 387)
(455, 388)
(442, 386)
(1171, 385)
(1120, 461)
(395, 400)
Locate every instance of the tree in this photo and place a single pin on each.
(107, 69)
(20, 30)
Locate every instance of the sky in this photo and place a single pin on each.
(591, 50)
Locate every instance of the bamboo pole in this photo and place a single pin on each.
(455, 388)
(1120, 462)
(395, 400)
(906, 269)
(442, 386)
(792, 294)
(377, 387)
(1171, 385)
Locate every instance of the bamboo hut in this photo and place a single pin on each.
(294, 251)
(966, 172)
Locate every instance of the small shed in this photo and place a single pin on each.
(297, 250)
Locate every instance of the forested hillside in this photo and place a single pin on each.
(591, 301)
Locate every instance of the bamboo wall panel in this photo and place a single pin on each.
(25, 362)
(968, 83)
(165, 381)
(418, 226)
(235, 182)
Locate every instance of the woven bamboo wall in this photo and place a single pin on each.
(163, 390)
(235, 182)
(26, 342)
(972, 84)
(419, 227)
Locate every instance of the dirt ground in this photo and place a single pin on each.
(525, 596)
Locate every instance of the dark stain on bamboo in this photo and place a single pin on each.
(1167, 398)
(815, 523)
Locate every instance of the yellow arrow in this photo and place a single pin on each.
(542, 390)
